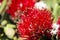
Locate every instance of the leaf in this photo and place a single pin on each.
(11, 26)
(9, 32)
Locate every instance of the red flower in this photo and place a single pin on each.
(20, 5)
(58, 33)
(1, 0)
(24, 4)
(34, 23)
(58, 22)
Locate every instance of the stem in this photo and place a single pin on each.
(2, 17)
(55, 9)
(3, 5)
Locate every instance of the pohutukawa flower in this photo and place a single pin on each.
(58, 22)
(34, 23)
(20, 5)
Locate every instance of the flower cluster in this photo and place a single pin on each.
(34, 23)
(20, 5)
(29, 20)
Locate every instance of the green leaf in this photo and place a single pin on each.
(11, 26)
(4, 22)
(9, 32)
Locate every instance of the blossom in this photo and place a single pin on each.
(20, 5)
(58, 22)
(34, 23)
